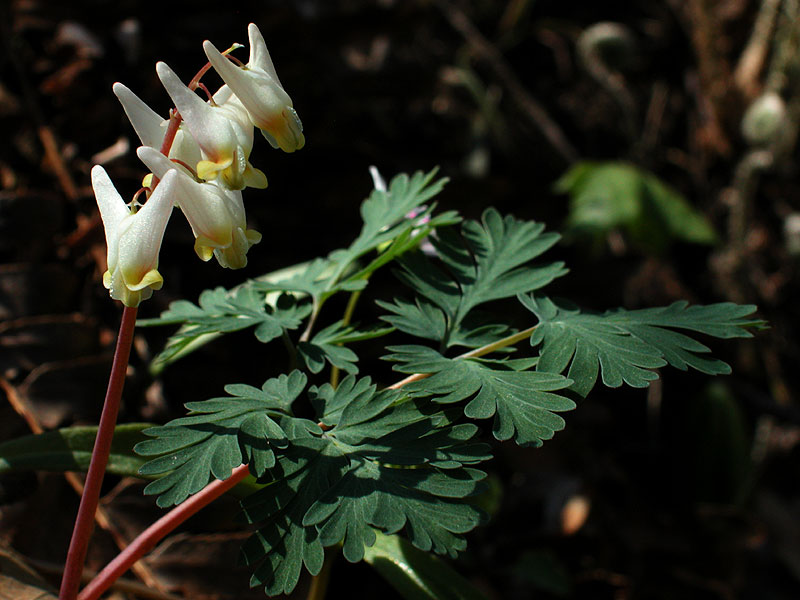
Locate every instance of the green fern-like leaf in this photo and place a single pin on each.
(221, 311)
(623, 346)
(219, 435)
(523, 403)
(388, 229)
(486, 261)
(380, 463)
(329, 345)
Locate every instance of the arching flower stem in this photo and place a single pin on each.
(94, 477)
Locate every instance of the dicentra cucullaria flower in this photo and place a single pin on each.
(133, 237)
(215, 214)
(150, 127)
(260, 91)
(208, 163)
(221, 128)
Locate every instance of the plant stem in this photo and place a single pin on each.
(482, 351)
(97, 466)
(348, 316)
(312, 320)
(319, 583)
(153, 534)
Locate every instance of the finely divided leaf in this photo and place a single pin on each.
(328, 345)
(395, 221)
(523, 403)
(623, 346)
(219, 435)
(381, 463)
(222, 311)
(487, 261)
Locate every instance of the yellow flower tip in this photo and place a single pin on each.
(107, 280)
(133, 299)
(255, 178)
(147, 181)
(152, 279)
(203, 248)
(207, 170)
(253, 237)
(283, 130)
(230, 259)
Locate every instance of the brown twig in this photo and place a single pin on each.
(46, 136)
(121, 585)
(751, 61)
(487, 51)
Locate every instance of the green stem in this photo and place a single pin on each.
(482, 351)
(290, 349)
(312, 320)
(319, 583)
(348, 316)
(84, 522)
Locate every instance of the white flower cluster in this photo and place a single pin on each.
(206, 168)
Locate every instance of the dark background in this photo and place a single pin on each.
(691, 486)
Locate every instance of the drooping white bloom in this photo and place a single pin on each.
(216, 214)
(260, 91)
(222, 129)
(150, 127)
(133, 237)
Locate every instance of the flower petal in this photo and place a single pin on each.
(146, 122)
(259, 55)
(113, 209)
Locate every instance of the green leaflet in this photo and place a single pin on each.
(523, 403)
(423, 319)
(222, 311)
(623, 346)
(487, 261)
(328, 345)
(342, 484)
(219, 435)
(388, 228)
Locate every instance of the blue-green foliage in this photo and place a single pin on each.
(624, 346)
(377, 462)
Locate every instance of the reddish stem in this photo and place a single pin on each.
(153, 534)
(172, 131)
(102, 447)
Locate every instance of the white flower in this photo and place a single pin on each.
(133, 237)
(150, 127)
(222, 129)
(260, 91)
(215, 214)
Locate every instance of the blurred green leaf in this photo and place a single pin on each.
(417, 575)
(614, 195)
(542, 570)
(717, 446)
(70, 449)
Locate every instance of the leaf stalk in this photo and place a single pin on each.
(147, 540)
